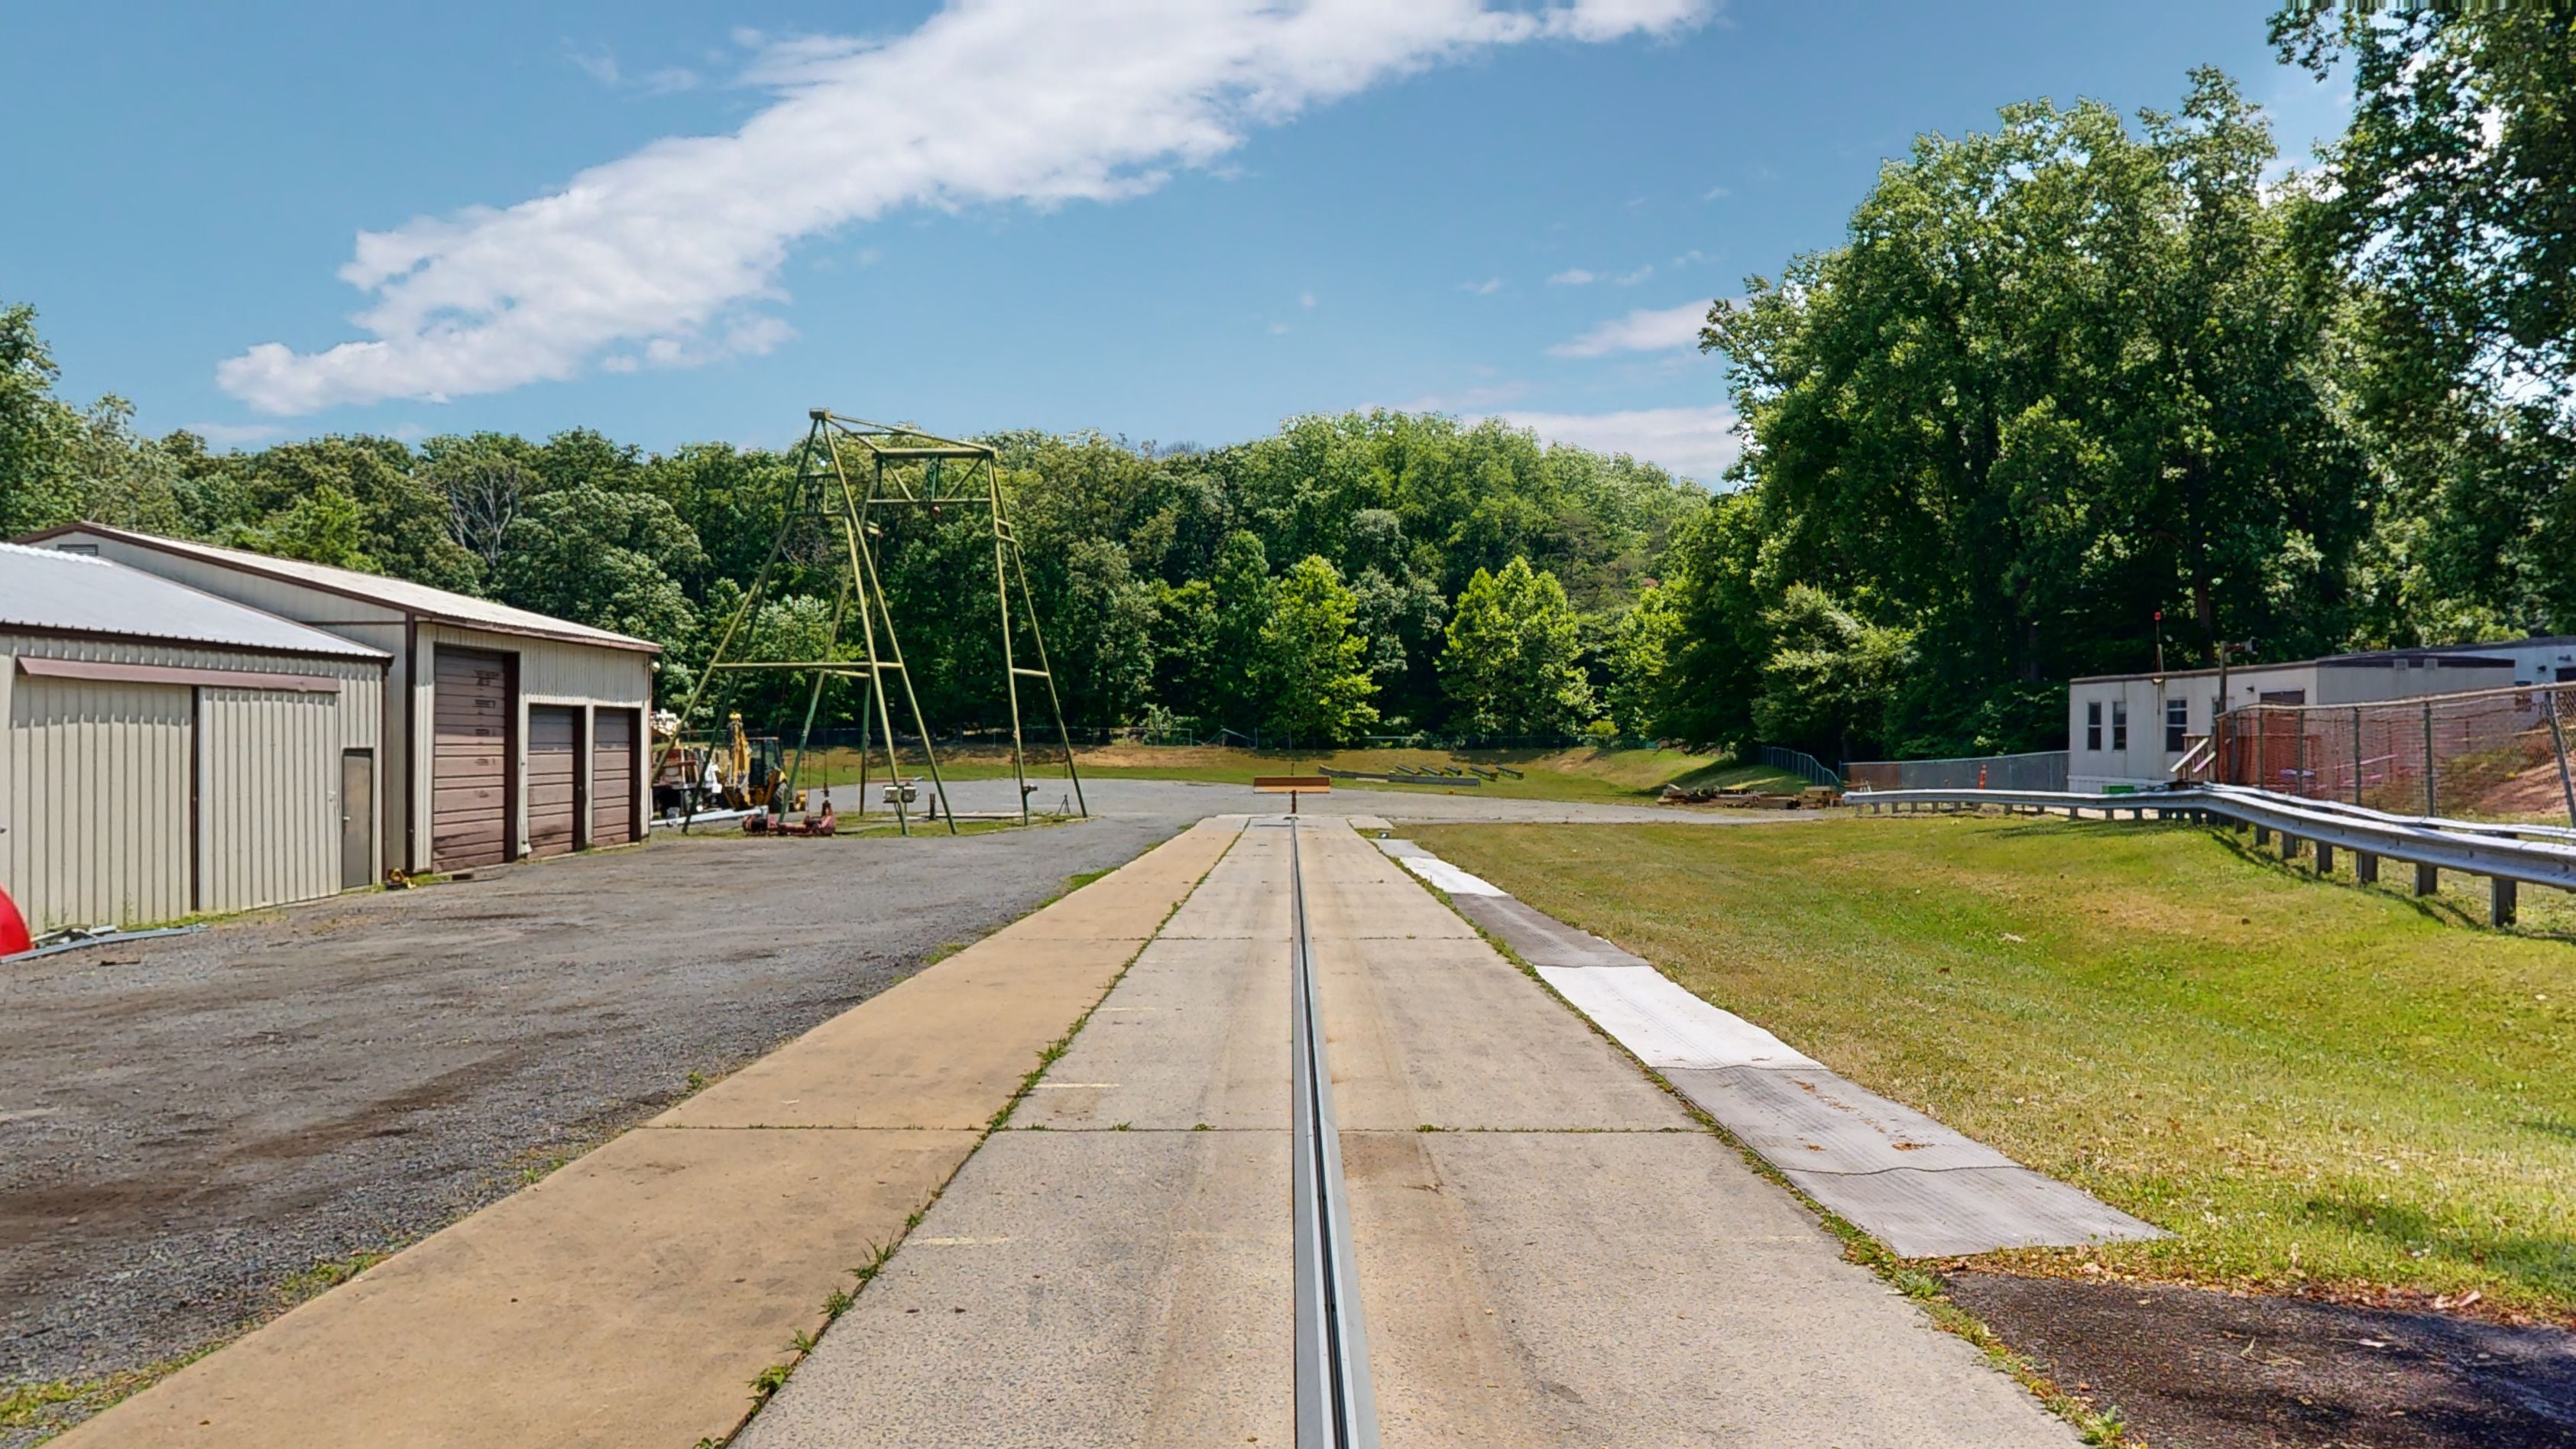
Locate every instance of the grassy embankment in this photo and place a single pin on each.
(2312, 1086)
(1606, 776)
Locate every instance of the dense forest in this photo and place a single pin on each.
(2068, 393)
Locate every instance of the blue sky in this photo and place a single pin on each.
(1176, 220)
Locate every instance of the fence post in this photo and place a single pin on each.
(2430, 807)
(2558, 742)
(2356, 755)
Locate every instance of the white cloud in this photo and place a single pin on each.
(1485, 288)
(1693, 442)
(1578, 277)
(1716, 193)
(1306, 301)
(1644, 330)
(664, 254)
(601, 65)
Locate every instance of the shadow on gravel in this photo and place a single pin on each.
(2194, 1369)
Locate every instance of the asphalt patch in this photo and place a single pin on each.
(2189, 1368)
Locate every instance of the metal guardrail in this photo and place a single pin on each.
(1336, 1404)
(2427, 842)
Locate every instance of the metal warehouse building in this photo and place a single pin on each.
(170, 752)
(506, 733)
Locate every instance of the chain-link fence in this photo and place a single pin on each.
(2497, 754)
(2038, 770)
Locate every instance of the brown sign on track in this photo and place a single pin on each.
(1292, 784)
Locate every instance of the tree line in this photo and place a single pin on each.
(2074, 395)
(1368, 573)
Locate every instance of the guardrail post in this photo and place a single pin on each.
(2262, 835)
(2428, 880)
(2500, 902)
(2325, 858)
(2365, 867)
(2289, 847)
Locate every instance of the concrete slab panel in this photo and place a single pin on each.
(1116, 1288)
(1813, 1121)
(1449, 877)
(1640, 1289)
(626, 1300)
(1197, 1031)
(1921, 1214)
(1666, 1026)
(1539, 938)
(944, 1049)
(1448, 1034)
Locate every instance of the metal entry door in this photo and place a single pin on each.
(357, 818)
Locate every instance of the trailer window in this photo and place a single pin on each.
(2119, 724)
(2093, 724)
(2177, 724)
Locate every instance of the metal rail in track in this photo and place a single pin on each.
(1336, 1408)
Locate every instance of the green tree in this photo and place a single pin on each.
(1641, 648)
(1514, 661)
(1311, 663)
(325, 526)
(1241, 597)
(36, 430)
(2061, 377)
(1831, 679)
(2447, 212)
(602, 558)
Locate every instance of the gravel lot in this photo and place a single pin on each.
(187, 1123)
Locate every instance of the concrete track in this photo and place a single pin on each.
(1551, 1251)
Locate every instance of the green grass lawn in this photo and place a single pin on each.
(1607, 776)
(2311, 1085)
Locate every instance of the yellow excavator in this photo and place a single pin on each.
(700, 778)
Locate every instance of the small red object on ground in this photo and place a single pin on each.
(13, 928)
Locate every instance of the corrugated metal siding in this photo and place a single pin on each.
(268, 808)
(98, 801)
(95, 790)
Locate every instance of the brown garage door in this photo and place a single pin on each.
(554, 778)
(470, 770)
(612, 777)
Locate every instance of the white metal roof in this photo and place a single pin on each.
(437, 605)
(45, 590)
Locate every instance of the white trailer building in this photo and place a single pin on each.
(507, 733)
(2131, 729)
(170, 752)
